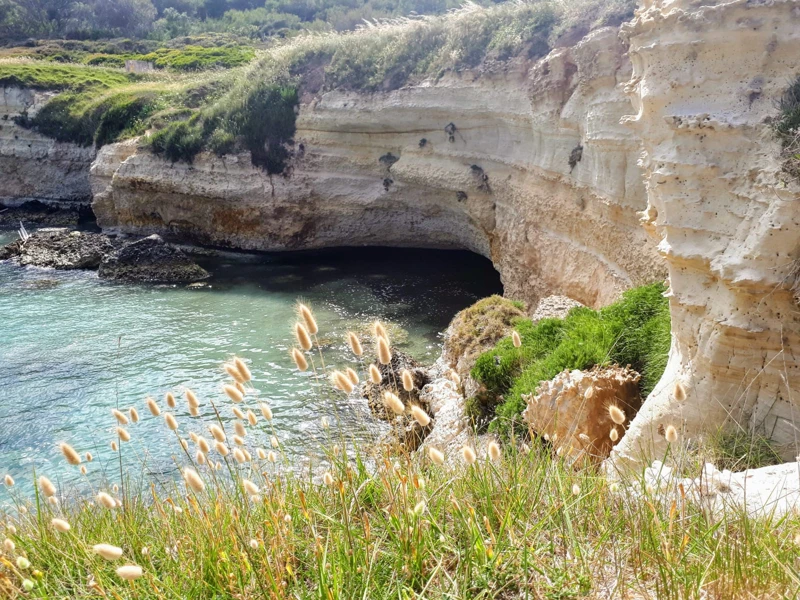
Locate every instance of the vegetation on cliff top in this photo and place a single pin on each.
(379, 57)
(634, 331)
(234, 519)
(787, 126)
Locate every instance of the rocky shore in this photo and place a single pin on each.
(150, 259)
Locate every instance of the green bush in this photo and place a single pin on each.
(180, 141)
(787, 127)
(57, 77)
(634, 330)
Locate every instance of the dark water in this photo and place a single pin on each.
(72, 346)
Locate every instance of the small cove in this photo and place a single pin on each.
(72, 346)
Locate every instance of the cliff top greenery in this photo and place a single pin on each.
(634, 331)
(225, 111)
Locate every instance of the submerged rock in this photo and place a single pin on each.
(151, 259)
(572, 410)
(59, 249)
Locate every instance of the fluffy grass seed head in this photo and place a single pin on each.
(342, 382)
(576, 489)
(355, 344)
(613, 434)
(407, 379)
(243, 369)
(327, 479)
(121, 418)
(70, 454)
(274, 441)
(134, 414)
(169, 419)
(238, 440)
(217, 432)
(238, 427)
(114, 445)
(262, 454)
(252, 418)
(515, 339)
(169, 398)
(106, 500)
(468, 454)
(302, 336)
(47, 487)
(191, 399)
(589, 393)
(379, 331)
(308, 318)
(221, 448)
(383, 351)
(679, 391)
(9, 546)
(107, 551)
(250, 487)
(266, 411)
(254, 544)
(9, 481)
(375, 374)
(234, 394)
(129, 572)
(60, 525)
(152, 407)
(238, 412)
(89, 457)
(671, 434)
(616, 414)
(393, 403)
(436, 456)
(234, 372)
(494, 451)
(123, 434)
(420, 416)
(193, 480)
(272, 457)
(352, 375)
(299, 360)
(202, 444)
(200, 457)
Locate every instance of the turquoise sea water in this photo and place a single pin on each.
(72, 347)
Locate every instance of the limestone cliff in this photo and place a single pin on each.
(704, 86)
(526, 164)
(35, 167)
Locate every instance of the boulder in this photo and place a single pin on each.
(59, 249)
(151, 260)
(572, 410)
(410, 434)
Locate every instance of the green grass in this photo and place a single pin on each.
(633, 331)
(40, 75)
(387, 524)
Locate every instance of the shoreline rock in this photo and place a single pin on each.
(59, 249)
(151, 260)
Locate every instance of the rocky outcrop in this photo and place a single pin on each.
(151, 260)
(572, 411)
(483, 160)
(59, 249)
(35, 167)
(705, 82)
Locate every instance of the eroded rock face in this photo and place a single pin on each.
(571, 411)
(35, 167)
(59, 249)
(705, 83)
(509, 185)
(151, 260)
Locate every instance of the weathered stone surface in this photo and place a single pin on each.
(151, 260)
(34, 212)
(35, 167)
(549, 227)
(571, 410)
(553, 307)
(59, 249)
(726, 218)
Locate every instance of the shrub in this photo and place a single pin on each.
(787, 127)
(178, 141)
(634, 330)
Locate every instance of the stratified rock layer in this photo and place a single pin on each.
(705, 83)
(380, 169)
(35, 167)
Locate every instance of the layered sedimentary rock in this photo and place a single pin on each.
(526, 164)
(35, 167)
(705, 83)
